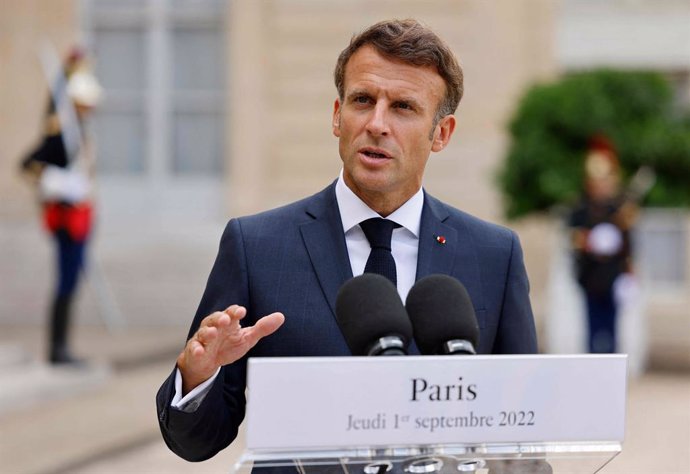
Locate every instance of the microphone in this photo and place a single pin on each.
(442, 316)
(372, 316)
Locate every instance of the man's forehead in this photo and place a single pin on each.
(368, 66)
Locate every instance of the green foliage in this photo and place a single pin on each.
(554, 123)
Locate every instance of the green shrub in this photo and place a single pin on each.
(554, 123)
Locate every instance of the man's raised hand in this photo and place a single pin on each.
(220, 340)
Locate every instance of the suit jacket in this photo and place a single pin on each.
(294, 259)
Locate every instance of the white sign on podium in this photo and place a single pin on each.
(298, 403)
(351, 407)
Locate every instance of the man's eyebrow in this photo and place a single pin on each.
(416, 104)
(406, 99)
(357, 93)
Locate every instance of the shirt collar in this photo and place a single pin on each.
(353, 210)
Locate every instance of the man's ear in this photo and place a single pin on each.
(444, 130)
(336, 118)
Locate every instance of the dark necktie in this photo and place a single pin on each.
(379, 232)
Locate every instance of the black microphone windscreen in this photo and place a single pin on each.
(441, 310)
(368, 308)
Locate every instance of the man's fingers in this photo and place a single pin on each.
(265, 326)
(196, 349)
(223, 319)
(236, 312)
(221, 341)
(217, 319)
(207, 335)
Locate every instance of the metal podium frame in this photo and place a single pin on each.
(522, 458)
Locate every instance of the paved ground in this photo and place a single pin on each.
(102, 419)
(657, 437)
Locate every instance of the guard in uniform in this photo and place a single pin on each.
(601, 225)
(60, 168)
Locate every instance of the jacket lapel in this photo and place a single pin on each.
(437, 241)
(443, 248)
(448, 250)
(325, 243)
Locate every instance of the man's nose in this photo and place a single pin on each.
(378, 121)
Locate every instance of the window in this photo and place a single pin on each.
(162, 65)
(661, 246)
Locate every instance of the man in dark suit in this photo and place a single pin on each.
(398, 87)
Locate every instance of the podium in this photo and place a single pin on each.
(435, 414)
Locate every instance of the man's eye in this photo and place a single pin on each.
(362, 99)
(403, 105)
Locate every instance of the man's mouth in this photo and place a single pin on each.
(374, 153)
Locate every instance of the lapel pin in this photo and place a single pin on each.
(440, 239)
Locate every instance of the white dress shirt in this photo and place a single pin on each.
(404, 242)
(404, 247)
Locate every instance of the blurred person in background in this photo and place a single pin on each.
(601, 226)
(60, 168)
